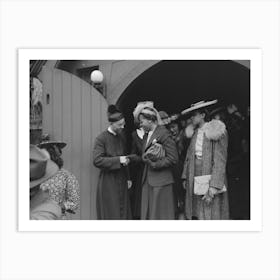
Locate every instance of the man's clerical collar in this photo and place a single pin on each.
(111, 131)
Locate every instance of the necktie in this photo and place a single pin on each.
(145, 139)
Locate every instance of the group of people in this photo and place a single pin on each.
(194, 165)
(54, 191)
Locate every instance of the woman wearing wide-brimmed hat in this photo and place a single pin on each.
(42, 207)
(204, 173)
(63, 187)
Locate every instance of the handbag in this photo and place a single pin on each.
(155, 152)
(202, 183)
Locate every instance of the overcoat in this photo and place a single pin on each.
(112, 189)
(157, 178)
(214, 158)
(42, 207)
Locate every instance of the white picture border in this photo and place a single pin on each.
(255, 57)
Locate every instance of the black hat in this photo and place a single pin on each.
(45, 142)
(114, 114)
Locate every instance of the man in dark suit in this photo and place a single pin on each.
(157, 196)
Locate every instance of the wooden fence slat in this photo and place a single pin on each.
(47, 108)
(86, 155)
(57, 105)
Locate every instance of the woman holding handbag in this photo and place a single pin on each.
(159, 156)
(204, 172)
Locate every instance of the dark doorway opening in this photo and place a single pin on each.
(174, 85)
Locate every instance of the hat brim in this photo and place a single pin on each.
(60, 144)
(199, 106)
(51, 169)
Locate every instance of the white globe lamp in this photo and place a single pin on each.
(96, 77)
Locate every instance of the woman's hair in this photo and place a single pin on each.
(205, 112)
(54, 156)
(178, 123)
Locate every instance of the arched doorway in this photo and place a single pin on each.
(175, 85)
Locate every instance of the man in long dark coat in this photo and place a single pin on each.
(109, 156)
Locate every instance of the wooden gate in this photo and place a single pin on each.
(75, 112)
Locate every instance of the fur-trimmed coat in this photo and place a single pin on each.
(214, 158)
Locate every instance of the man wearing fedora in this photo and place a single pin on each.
(42, 207)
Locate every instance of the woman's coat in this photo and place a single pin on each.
(214, 158)
(157, 180)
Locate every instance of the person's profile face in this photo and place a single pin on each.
(231, 108)
(118, 126)
(197, 118)
(174, 129)
(217, 117)
(144, 123)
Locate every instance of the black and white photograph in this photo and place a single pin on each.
(139, 139)
(126, 139)
(156, 140)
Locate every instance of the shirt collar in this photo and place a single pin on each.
(111, 131)
(140, 132)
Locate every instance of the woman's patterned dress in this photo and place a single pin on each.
(64, 188)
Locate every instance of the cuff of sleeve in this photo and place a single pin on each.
(215, 186)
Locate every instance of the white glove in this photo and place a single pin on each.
(124, 160)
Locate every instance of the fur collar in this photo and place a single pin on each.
(214, 130)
